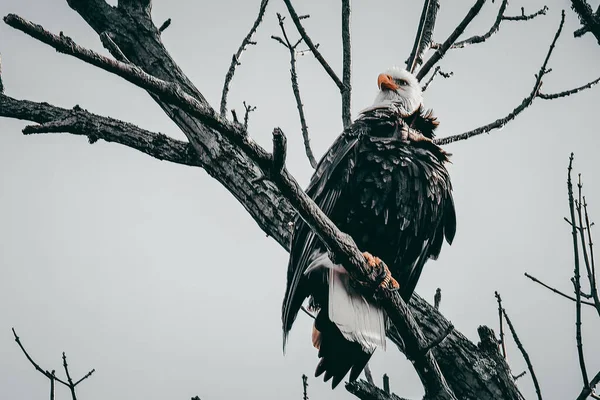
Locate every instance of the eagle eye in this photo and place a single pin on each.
(402, 82)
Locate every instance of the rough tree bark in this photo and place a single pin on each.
(472, 371)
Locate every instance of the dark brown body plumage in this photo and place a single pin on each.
(388, 188)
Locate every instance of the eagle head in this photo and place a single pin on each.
(399, 88)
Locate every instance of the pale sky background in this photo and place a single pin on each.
(155, 276)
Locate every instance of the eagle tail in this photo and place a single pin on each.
(337, 354)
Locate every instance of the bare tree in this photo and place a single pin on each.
(448, 364)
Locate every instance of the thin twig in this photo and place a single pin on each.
(524, 104)
(235, 59)
(437, 298)
(568, 92)
(164, 25)
(248, 109)
(423, 39)
(524, 353)
(312, 46)
(502, 336)
(524, 17)
(519, 376)
(49, 375)
(71, 384)
(436, 71)
(437, 56)
(593, 281)
(304, 387)
(536, 280)
(296, 89)
(576, 277)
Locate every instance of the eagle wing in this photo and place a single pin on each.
(325, 192)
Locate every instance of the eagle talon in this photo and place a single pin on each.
(386, 281)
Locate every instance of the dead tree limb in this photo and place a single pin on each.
(523, 352)
(345, 91)
(587, 17)
(235, 59)
(521, 107)
(295, 88)
(424, 38)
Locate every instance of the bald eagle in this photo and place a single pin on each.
(383, 182)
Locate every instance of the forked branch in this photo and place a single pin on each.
(235, 59)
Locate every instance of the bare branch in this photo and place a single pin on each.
(437, 56)
(524, 17)
(165, 25)
(85, 377)
(112, 47)
(347, 66)
(521, 107)
(568, 92)
(80, 122)
(593, 281)
(248, 109)
(587, 17)
(424, 37)
(436, 71)
(519, 376)
(576, 277)
(589, 390)
(296, 89)
(304, 387)
(386, 383)
(536, 280)
(235, 59)
(524, 353)
(501, 320)
(71, 384)
(584, 29)
(1, 84)
(49, 375)
(345, 90)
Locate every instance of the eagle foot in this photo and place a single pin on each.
(385, 279)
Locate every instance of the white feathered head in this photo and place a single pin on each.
(399, 88)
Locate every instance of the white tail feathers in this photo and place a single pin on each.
(358, 319)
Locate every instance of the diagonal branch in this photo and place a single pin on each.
(526, 17)
(346, 65)
(568, 92)
(536, 280)
(235, 59)
(501, 325)
(495, 27)
(523, 352)
(499, 123)
(589, 390)
(344, 87)
(436, 71)
(81, 122)
(424, 37)
(437, 56)
(296, 89)
(312, 46)
(576, 277)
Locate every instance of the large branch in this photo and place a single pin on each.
(139, 40)
(472, 372)
(77, 121)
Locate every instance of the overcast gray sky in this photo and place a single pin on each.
(154, 275)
